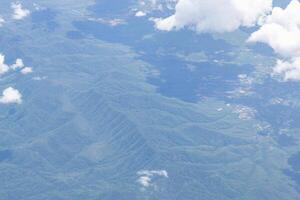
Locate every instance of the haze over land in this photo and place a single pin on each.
(107, 99)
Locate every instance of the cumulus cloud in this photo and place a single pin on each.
(215, 15)
(281, 31)
(4, 68)
(19, 64)
(289, 69)
(11, 95)
(140, 14)
(19, 11)
(145, 181)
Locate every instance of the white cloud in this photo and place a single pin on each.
(145, 181)
(19, 64)
(156, 5)
(140, 14)
(39, 78)
(11, 95)
(26, 70)
(19, 11)
(215, 15)
(4, 68)
(284, 41)
(244, 112)
(281, 31)
(163, 173)
(289, 69)
(110, 22)
(146, 176)
(2, 21)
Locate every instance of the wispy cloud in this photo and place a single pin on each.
(39, 78)
(2, 21)
(26, 70)
(110, 22)
(146, 176)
